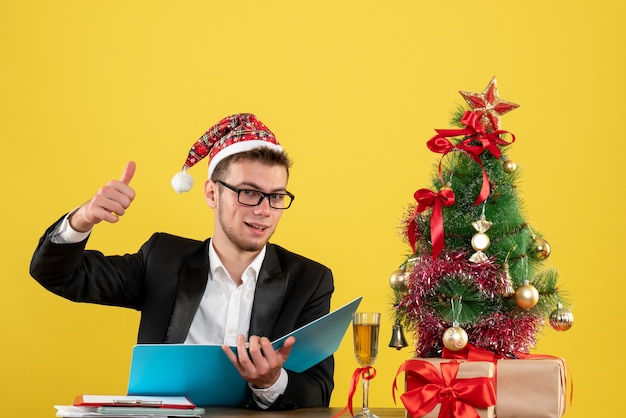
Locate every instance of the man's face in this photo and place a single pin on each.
(243, 228)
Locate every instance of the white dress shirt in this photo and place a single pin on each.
(224, 312)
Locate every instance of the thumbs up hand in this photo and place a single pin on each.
(108, 204)
(129, 172)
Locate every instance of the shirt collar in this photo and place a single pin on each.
(252, 270)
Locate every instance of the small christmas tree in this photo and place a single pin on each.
(476, 272)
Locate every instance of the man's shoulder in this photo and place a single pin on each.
(162, 241)
(285, 255)
(171, 238)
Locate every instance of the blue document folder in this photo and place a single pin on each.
(204, 374)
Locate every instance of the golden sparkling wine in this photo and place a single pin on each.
(365, 328)
(365, 343)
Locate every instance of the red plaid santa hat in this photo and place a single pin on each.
(234, 134)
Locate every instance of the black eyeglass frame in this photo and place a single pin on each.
(263, 196)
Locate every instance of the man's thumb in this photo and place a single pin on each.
(129, 172)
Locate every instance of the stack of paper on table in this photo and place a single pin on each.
(87, 406)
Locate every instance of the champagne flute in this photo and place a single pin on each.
(365, 329)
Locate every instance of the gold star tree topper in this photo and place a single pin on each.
(488, 105)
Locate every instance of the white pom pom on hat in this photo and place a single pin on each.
(234, 134)
(182, 182)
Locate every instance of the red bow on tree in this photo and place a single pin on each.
(425, 199)
(478, 140)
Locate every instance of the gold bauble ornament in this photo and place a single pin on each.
(509, 166)
(540, 249)
(398, 280)
(526, 296)
(561, 319)
(455, 338)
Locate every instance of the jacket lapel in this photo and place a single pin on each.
(269, 294)
(192, 282)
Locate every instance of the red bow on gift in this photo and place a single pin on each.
(426, 198)
(478, 140)
(459, 398)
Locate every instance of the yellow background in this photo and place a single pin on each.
(353, 89)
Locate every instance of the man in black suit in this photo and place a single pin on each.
(234, 289)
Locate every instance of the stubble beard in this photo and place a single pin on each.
(242, 244)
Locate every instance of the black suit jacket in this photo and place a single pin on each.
(165, 280)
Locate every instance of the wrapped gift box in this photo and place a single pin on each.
(531, 388)
(466, 370)
(525, 388)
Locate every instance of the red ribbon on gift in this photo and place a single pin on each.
(426, 198)
(366, 373)
(459, 398)
(471, 353)
(478, 140)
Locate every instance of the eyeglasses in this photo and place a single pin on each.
(249, 197)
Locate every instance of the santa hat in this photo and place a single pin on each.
(233, 134)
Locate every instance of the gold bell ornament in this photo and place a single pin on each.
(398, 341)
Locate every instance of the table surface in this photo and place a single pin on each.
(304, 412)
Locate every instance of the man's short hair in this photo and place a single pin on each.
(264, 155)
